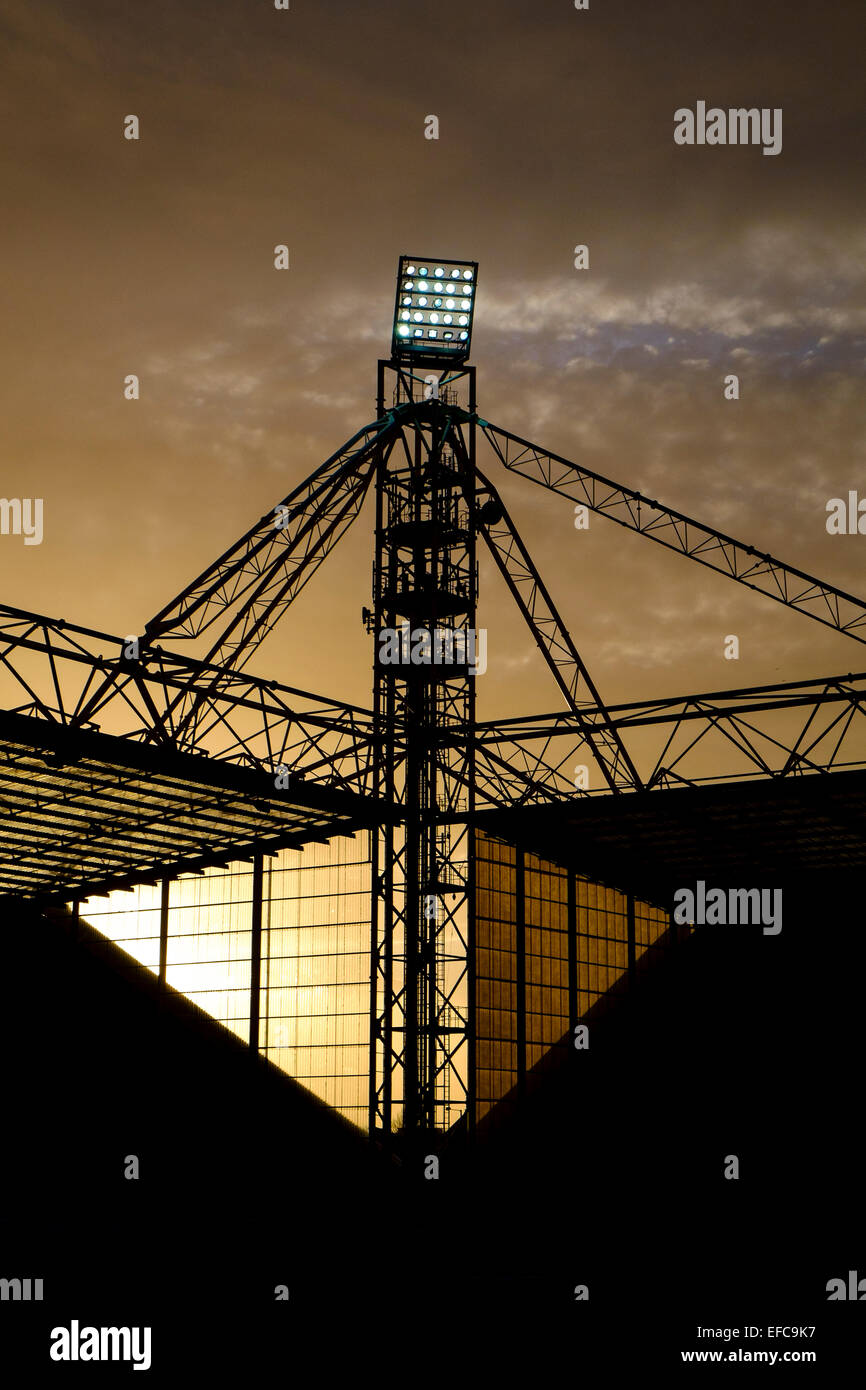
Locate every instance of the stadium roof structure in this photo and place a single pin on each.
(648, 843)
(84, 810)
(122, 760)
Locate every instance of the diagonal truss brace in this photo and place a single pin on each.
(260, 574)
(256, 580)
(794, 588)
(552, 637)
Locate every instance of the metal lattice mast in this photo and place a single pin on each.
(423, 624)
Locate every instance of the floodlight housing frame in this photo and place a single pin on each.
(425, 351)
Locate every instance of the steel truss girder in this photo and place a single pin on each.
(755, 569)
(832, 737)
(51, 669)
(634, 713)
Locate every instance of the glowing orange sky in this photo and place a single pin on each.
(306, 127)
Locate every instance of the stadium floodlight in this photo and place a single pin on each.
(434, 310)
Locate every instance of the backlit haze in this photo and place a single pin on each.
(306, 127)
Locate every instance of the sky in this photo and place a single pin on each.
(306, 127)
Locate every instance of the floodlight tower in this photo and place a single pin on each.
(426, 658)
